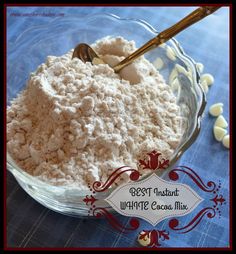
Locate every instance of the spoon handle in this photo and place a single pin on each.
(165, 35)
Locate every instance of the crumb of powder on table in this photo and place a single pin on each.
(75, 122)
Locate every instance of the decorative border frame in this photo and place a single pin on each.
(153, 161)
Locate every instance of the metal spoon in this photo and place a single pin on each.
(84, 52)
(87, 54)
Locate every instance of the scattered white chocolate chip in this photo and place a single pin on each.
(144, 241)
(221, 122)
(225, 141)
(204, 86)
(216, 109)
(208, 78)
(200, 67)
(97, 61)
(219, 133)
(170, 53)
(158, 63)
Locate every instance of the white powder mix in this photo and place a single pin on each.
(75, 122)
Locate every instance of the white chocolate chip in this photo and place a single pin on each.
(221, 122)
(170, 53)
(97, 61)
(208, 78)
(158, 63)
(200, 67)
(144, 241)
(225, 141)
(219, 133)
(216, 109)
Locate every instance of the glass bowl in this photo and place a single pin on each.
(59, 36)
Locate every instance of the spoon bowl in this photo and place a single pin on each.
(84, 52)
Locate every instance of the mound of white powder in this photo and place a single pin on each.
(75, 122)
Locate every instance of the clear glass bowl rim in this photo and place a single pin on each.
(11, 166)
